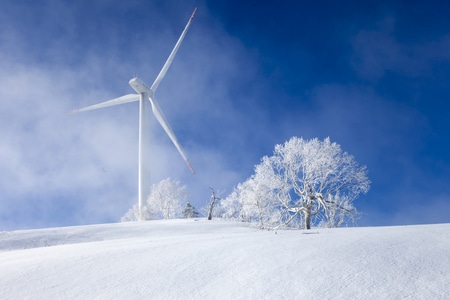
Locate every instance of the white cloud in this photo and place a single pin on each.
(70, 169)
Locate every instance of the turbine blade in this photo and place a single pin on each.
(163, 121)
(115, 101)
(169, 60)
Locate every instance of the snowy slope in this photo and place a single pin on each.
(197, 259)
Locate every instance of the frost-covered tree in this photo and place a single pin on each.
(167, 197)
(146, 214)
(252, 201)
(314, 182)
(131, 215)
(231, 206)
(166, 201)
(189, 211)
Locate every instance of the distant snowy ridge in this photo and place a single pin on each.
(197, 259)
(35, 238)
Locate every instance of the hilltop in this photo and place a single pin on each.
(198, 259)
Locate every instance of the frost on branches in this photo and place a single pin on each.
(252, 201)
(304, 183)
(166, 201)
(189, 211)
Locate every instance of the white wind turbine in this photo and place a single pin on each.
(145, 93)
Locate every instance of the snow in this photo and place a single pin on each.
(197, 259)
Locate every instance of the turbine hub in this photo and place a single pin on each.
(139, 86)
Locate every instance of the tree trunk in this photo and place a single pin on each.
(211, 204)
(211, 207)
(308, 219)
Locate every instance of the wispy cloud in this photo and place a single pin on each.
(379, 51)
(83, 168)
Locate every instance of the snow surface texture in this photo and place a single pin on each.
(199, 259)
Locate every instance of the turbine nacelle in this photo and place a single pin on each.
(139, 86)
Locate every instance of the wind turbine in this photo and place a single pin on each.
(145, 93)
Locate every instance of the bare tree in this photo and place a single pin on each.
(314, 180)
(214, 198)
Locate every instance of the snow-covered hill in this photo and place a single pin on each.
(198, 259)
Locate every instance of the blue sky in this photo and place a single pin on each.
(373, 76)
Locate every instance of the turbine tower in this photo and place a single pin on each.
(145, 93)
